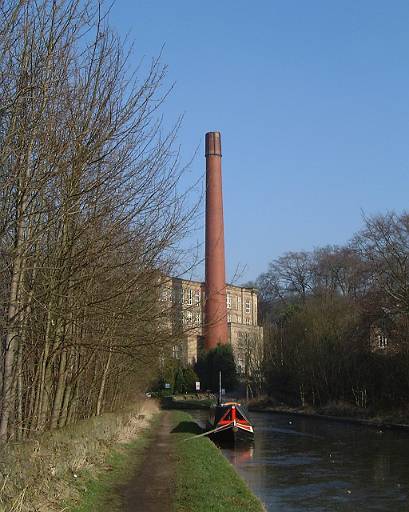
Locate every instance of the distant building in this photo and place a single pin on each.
(186, 300)
(378, 339)
(382, 339)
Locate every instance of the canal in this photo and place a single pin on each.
(300, 464)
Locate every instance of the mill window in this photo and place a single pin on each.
(189, 297)
(189, 317)
(197, 297)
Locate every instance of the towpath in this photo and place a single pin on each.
(151, 489)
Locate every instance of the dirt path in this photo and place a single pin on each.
(152, 487)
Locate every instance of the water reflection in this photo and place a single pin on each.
(304, 464)
(241, 455)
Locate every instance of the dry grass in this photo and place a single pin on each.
(40, 474)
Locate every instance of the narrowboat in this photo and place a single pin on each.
(228, 423)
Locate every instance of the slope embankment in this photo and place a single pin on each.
(54, 471)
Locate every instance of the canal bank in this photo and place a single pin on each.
(395, 420)
(205, 480)
(176, 472)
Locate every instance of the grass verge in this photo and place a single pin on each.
(101, 491)
(205, 480)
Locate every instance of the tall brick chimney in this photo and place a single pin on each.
(215, 278)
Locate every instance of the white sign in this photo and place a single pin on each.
(167, 385)
(197, 386)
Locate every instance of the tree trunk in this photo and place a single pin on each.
(12, 338)
(59, 392)
(102, 386)
(41, 405)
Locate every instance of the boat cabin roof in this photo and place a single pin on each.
(220, 410)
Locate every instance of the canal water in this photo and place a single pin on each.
(300, 464)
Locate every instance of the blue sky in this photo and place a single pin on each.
(312, 99)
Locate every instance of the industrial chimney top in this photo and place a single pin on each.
(213, 144)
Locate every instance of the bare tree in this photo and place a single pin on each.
(91, 211)
(384, 245)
